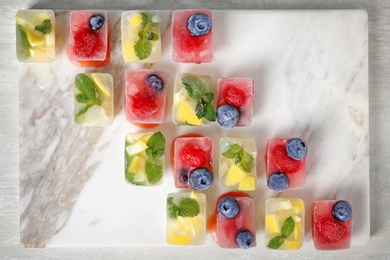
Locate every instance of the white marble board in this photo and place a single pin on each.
(310, 70)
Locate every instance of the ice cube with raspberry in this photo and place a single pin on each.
(332, 224)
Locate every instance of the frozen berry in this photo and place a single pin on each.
(234, 96)
(199, 24)
(183, 176)
(342, 211)
(201, 179)
(283, 161)
(87, 43)
(296, 149)
(331, 231)
(228, 207)
(143, 105)
(96, 22)
(227, 116)
(155, 82)
(245, 239)
(193, 155)
(278, 181)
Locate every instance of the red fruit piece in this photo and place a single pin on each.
(143, 106)
(234, 96)
(331, 231)
(193, 155)
(87, 43)
(283, 161)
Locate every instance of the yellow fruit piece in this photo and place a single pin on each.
(35, 38)
(272, 224)
(103, 82)
(292, 245)
(129, 51)
(137, 164)
(135, 148)
(179, 239)
(297, 205)
(188, 115)
(283, 205)
(234, 176)
(194, 226)
(248, 183)
(194, 195)
(135, 20)
(38, 53)
(298, 232)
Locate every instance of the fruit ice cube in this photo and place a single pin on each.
(236, 222)
(192, 36)
(94, 99)
(186, 218)
(285, 161)
(193, 162)
(89, 38)
(237, 163)
(145, 94)
(284, 223)
(332, 224)
(144, 158)
(238, 93)
(35, 36)
(191, 90)
(141, 39)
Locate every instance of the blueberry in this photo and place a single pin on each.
(96, 22)
(342, 211)
(245, 239)
(199, 24)
(227, 116)
(228, 207)
(183, 176)
(278, 181)
(155, 82)
(201, 179)
(296, 149)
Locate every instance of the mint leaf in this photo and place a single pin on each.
(276, 242)
(147, 33)
(232, 151)
(143, 48)
(188, 207)
(246, 161)
(153, 170)
(210, 113)
(172, 208)
(156, 145)
(151, 36)
(83, 110)
(194, 86)
(88, 88)
(45, 27)
(24, 44)
(240, 156)
(288, 227)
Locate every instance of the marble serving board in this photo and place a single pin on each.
(310, 70)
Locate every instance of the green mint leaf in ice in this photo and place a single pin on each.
(24, 46)
(45, 27)
(232, 151)
(89, 94)
(240, 156)
(153, 170)
(156, 145)
(194, 86)
(83, 110)
(143, 48)
(275, 242)
(288, 227)
(210, 113)
(188, 207)
(246, 161)
(146, 35)
(172, 208)
(200, 109)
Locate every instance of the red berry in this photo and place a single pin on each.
(87, 43)
(193, 155)
(331, 231)
(234, 96)
(283, 161)
(143, 106)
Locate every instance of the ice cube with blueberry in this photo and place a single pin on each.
(332, 224)
(286, 163)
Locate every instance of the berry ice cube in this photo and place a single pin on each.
(236, 222)
(237, 163)
(89, 38)
(285, 161)
(35, 36)
(284, 223)
(193, 100)
(145, 96)
(192, 36)
(144, 158)
(186, 218)
(237, 94)
(332, 224)
(141, 39)
(193, 162)
(94, 99)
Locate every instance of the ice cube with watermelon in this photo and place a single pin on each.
(192, 36)
(145, 96)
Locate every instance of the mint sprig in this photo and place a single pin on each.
(153, 170)
(89, 94)
(240, 156)
(286, 230)
(187, 207)
(156, 145)
(146, 35)
(24, 46)
(45, 27)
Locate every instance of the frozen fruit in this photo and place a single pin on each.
(96, 22)
(201, 179)
(227, 116)
(193, 155)
(245, 239)
(296, 148)
(228, 207)
(278, 181)
(342, 211)
(155, 82)
(199, 24)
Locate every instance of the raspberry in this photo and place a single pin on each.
(234, 96)
(331, 231)
(283, 161)
(87, 43)
(143, 106)
(193, 155)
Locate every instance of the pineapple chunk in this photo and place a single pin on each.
(234, 176)
(248, 183)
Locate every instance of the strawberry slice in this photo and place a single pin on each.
(143, 105)
(331, 231)
(193, 155)
(234, 96)
(283, 161)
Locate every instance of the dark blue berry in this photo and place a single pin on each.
(228, 207)
(342, 211)
(183, 176)
(227, 116)
(199, 24)
(278, 181)
(201, 179)
(155, 82)
(245, 239)
(296, 149)
(96, 22)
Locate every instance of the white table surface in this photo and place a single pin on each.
(379, 70)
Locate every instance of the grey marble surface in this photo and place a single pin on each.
(379, 76)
